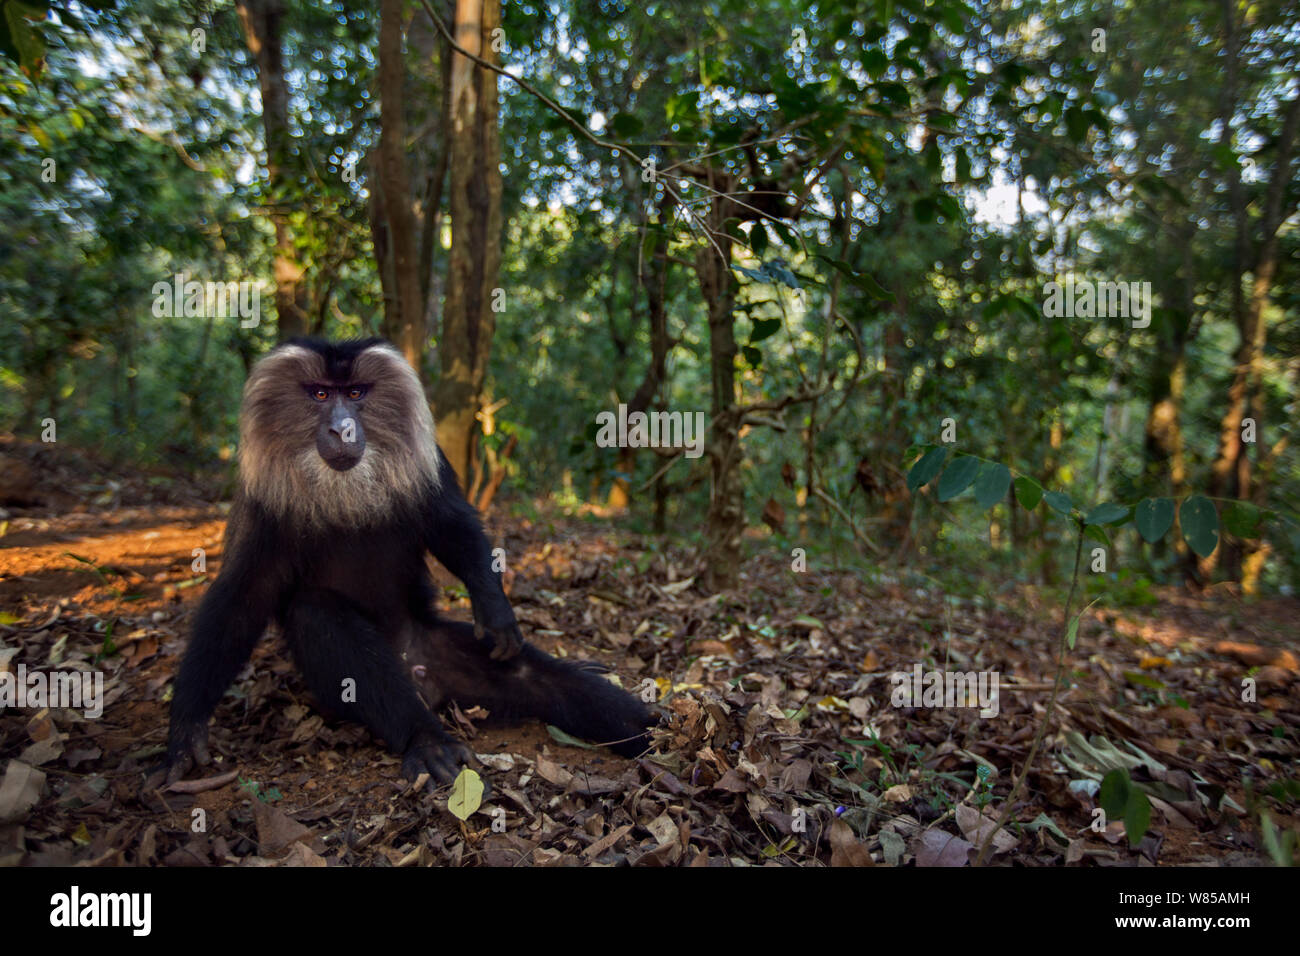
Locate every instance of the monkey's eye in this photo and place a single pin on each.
(357, 392)
(318, 393)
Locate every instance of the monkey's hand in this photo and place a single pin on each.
(433, 752)
(187, 746)
(495, 620)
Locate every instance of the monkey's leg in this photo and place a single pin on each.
(450, 663)
(230, 621)
(351, 669)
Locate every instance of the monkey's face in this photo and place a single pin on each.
(336, 433)
(340, 439)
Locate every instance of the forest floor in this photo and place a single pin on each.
(779, 744)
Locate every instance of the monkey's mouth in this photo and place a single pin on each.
(341, 462)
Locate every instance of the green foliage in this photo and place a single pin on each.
(867, 260)
(1200, 524)
(992, 484)
(256, 791)
(1121, 800)
(1152, 517)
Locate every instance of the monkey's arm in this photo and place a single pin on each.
(231, 617)
(454, 535)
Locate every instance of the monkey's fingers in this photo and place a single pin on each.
(506, 643)
(506, 639)
(188, 749)
(440, 757)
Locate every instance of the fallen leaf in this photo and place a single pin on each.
(846, 849)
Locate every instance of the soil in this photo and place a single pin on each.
(781, 740)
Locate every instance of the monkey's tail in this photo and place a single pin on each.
(572, 695)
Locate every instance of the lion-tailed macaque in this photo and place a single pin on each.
(342, 491)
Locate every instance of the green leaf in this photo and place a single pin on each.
(1114, 794)
(782, 275)
(1241, 520)
(22, 38)
(752, 355)
(1200, 524)
(1137, 817)
(1028, 492)
(758, 239)
(1096, 534)
(958, 477)
(1108, 513)
(1058, 501)
(1144, 680)
(466, 794)
(567, 739)
(860, 279)
(763, 329)
(1153, 518)
(1072, 632)
(992, 484)
(923, 472)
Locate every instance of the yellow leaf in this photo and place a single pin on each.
(466, 794)
(831, 702)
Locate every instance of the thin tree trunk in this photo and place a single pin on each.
(653, 277)
(468, 320)
(1166, 464)
(406, 327)
(261, 20)
(430, 150)
(725, 524)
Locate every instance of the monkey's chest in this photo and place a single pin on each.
(375, 579)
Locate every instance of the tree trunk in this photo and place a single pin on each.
(1166, 465)
(404, 312)
(468, 320)
(725, 525)
(261, 23)
(654, 274)
(1230, 475)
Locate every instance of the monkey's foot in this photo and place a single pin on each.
(436, 754)
(187, 747)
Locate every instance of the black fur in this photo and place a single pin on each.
(450, 664)
(353, 601)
